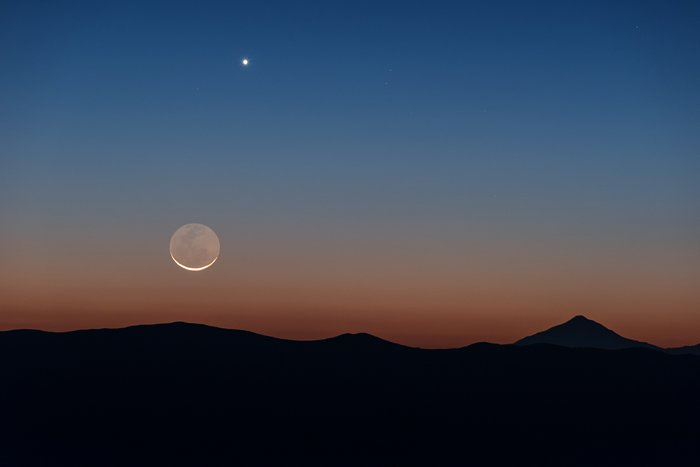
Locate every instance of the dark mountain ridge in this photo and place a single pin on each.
(583, 332)
(687, 350)
(186, 394)
(579, 331)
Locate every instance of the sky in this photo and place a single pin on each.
(435, 173)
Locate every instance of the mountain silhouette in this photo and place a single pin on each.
(189, 394)
(583, 332)
(687, 350)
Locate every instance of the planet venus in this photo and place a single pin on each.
(194, 247)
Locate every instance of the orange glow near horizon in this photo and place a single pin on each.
(398, 289)
(412, 313)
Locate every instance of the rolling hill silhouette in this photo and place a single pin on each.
(187, 394)
(689, 350)
(583, 332)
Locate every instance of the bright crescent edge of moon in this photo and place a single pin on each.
(193, 269)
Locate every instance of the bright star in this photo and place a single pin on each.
(245, 61)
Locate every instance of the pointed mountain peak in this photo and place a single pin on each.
(582, 321)
(579, 318)
(580, 331)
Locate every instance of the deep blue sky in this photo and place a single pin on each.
(560, 135)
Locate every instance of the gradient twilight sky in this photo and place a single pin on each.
(435, 173)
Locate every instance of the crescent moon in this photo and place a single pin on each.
(194, 247)
(192, 269)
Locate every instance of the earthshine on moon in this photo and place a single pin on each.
(194, 247)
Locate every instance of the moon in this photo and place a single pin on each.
(194, 247)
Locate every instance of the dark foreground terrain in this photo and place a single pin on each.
(184, 394)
